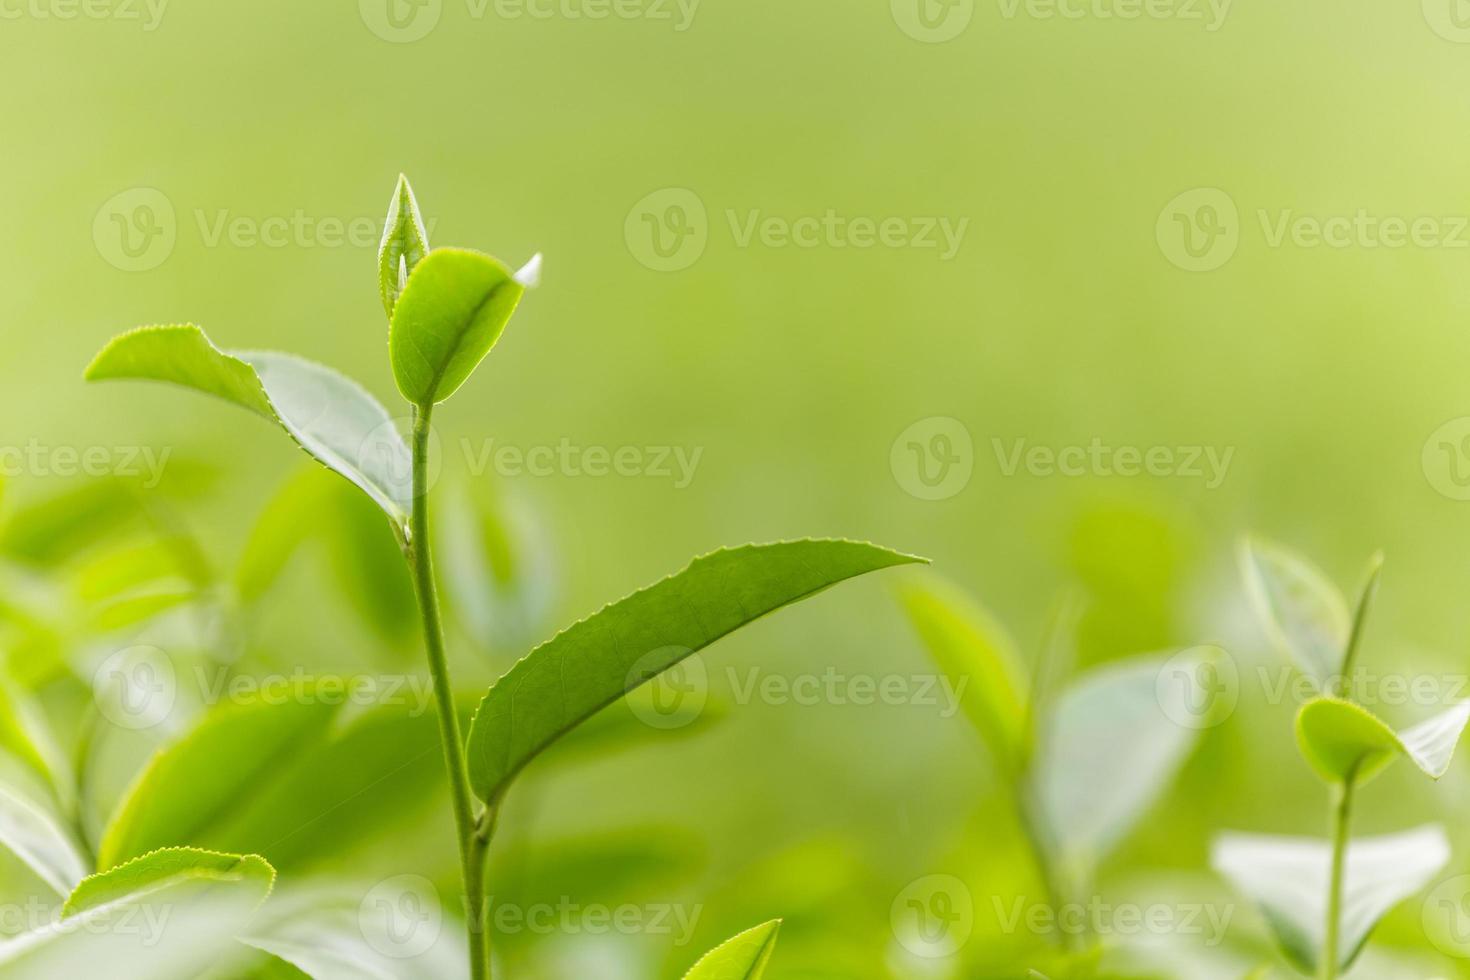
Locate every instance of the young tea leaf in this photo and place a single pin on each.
(1343, 740)
(1288, 878)
(743, 958)
(454, 309)
(405, 243)
(972, 647)
(39, 840)
(1302, 611)
(330, 416)
(566, 680)
(169, 915)
(1109, 747)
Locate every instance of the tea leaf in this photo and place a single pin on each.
(1302, 611)
(1107, 750)
(593, 663)
(193, 785)
(330, 416)
(1344, 740)
(169, 915)
(48, 532)
(1288, 878)
(39, 840)
(454, 309)
(23, 733)
(405, 243)
(974, 649)
(743, 958)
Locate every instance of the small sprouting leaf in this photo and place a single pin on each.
(39, 840)
(169, 915)
(743, 958)
(405, 243)
(1344, 740)
(159, 868)
(973, 648)
(330, 416)
(194, 785)
(1109, 747)
(1302, 611)
(593, 663)
(454, 309)
(1288, 878)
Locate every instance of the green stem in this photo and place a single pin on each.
(1343, 685)
(473, 831)
(1342, 808)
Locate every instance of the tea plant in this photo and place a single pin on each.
(1081, 765)
(1323, 898)
(446, 308)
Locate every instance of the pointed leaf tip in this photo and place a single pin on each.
(529, 275)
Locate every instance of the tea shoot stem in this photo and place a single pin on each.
(474, 837)
(1342, 807)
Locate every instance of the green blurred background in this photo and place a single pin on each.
(1063, 317)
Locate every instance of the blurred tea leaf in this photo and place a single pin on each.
(588, 666)
(743, 958)
(1287, 877)
(404, 245)
(980, 658)
(497, 568)
(25, 735)
(1108, 749)
(330, 416)
(453, 310)
(49, 531)
(39, 840)
(289, 519)
(1343, 740)
(1302, 611)
(198, 782)
(170, 915)
(325, 935)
